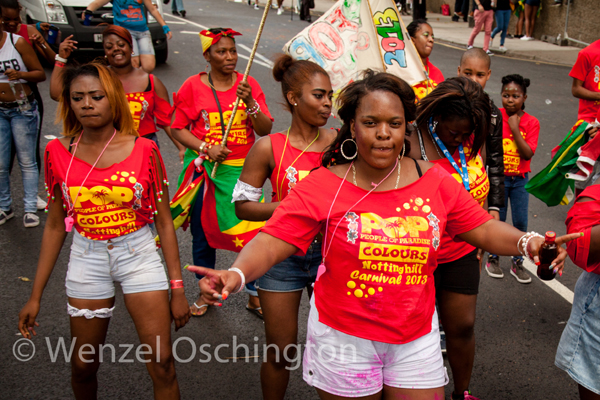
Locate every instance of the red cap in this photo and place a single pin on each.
(550, 237)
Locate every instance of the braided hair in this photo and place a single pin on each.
(458, 98)
(349, 101)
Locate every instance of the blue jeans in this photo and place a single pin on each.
(502, 19)
(514, 190)
(21, 129)
(204, 255)
(177, 5)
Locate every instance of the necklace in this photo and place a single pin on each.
(434, 144)
(211, 85)
(398, 164)
(287, 136)
(69, 219)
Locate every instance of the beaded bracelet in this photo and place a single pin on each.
(523, 243)
(253, 112)
(239, 271)
(207, 148)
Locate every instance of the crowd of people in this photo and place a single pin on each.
(384, 221)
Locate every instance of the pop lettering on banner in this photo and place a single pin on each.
(355, 35)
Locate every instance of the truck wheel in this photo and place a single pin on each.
(162, 55)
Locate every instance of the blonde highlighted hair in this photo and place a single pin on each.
(119, 106)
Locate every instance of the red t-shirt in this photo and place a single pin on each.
(378, 283)
(587, 70)
(292, 167)
(582, 217)
(453, 249)
(195, 105)
(422, 89)
(530, 130)
(146, 107)
(114, 201)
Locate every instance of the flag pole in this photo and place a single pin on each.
(413, 45)
(378, 44)
(244, 79)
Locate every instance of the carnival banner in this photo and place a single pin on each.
(355, 35)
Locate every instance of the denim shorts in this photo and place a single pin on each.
(349, 366)
(578, 351)
(294, 273)
(132, 260)
(533, 3)
(142, 43)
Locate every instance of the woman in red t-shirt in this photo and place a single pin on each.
(421, 34)
(203, 107)
(373, 322)
(452, 124)
(109, 184)
(519, 138)
(286, 158)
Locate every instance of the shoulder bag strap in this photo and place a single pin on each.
(218, 104)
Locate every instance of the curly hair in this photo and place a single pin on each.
(349, 101)
(458, 98)
(121, 114)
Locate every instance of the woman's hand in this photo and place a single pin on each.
(535, 244)
(480, 8)
(593, 132)
(218, 153)
(44, 26)
(180, 310)
(216, 286)
(244, 92)
(12, 74)
(27, 318)
(181, 153)
(169, 35)
(66, 47)
(37, 40)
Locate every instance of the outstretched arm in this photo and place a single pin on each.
(255, 259)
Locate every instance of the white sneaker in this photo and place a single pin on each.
(256, 7)
(30, 220)
(469, 47)
(527, 38)
(502, 49)
(280, 10)
(41, 204)
(489, 52)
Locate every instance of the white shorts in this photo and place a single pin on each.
(349, 366)
(132, 260)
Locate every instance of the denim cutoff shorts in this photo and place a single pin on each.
(294, 273)
(132, 260)
(579, 348)
(142, 43)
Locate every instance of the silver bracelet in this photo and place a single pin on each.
(239, 271)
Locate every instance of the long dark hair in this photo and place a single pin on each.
(349, 101)
(458, 98)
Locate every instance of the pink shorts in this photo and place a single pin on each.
(349, 366)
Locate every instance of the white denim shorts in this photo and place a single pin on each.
(349, 366)
(132, 260)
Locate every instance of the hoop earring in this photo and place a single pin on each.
(434, 126)
(403, 150)
(342, 149)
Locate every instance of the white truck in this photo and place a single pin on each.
(66, 15)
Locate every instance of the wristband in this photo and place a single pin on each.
(239, 271)
(38, 26)
(88, 12)
(59, 64)
(176, 284)
(166, 29)
(59, 58)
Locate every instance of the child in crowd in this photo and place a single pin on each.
(520, 138)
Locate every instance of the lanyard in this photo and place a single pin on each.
(463, 172)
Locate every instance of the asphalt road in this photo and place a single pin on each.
(518, 326)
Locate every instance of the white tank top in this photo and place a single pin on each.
(10, 58)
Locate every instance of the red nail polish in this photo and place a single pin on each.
(224, 296)
(219, 304)
(537, 263)
(560, 273)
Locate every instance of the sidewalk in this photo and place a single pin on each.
(457, 33)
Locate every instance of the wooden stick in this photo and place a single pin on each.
(244, 79)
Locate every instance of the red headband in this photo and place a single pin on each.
(208, 38)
